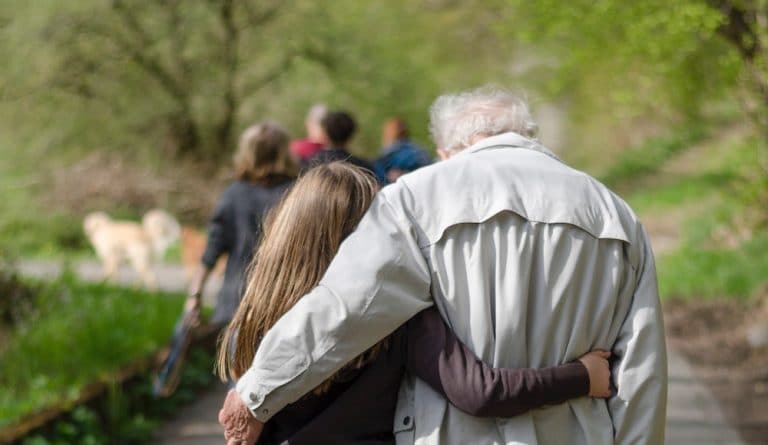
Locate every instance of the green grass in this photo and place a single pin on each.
(30, 234)
(707, 199)
(703, 268)
(27, 228)
(128, 414)
(82, 333)
(695, 271)
(680, 192)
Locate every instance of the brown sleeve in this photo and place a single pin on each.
(434, 354)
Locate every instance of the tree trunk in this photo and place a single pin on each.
(230, 47)
(182, 137)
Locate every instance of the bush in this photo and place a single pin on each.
(128, 414)
(79, 334)
(699, 271)
(638, 162)
(18, 298)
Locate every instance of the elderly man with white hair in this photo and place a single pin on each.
(530, 262)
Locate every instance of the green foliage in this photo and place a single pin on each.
(696, 271)
(174, 72)
(26, 227)
(718, 171)
(708, 202)
(148, 80)
(185, 77)
(18, 298)
(128, 414)
(632, 70)
(631, 57)
(81, 333)
(30, 235)
(82, 428)
(638, 162)
(681, 192)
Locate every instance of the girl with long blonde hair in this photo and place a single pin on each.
(357, 404)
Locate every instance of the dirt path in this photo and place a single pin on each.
(694, 416)
(195, 424)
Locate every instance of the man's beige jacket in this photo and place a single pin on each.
(531, 263)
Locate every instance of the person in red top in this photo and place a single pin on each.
(303, 149)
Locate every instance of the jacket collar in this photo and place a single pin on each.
(508, 140)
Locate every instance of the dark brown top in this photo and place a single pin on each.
(360, 408)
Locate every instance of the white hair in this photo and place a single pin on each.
(316, 113)
(456, 119)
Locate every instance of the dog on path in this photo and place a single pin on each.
(139, 244)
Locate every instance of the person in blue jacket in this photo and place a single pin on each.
(399, 155)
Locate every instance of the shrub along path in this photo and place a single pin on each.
(693, 414)
(194, 424)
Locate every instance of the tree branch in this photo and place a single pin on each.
(231, 63)
(739, 28)
(137, 51)
(268, 77)
(178, 40)
(256, 18)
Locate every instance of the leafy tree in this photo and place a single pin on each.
(176, 71)
(652, 57)
(186, 76)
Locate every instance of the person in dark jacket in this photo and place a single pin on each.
(339, 127)
(399, 154)
(264, 171)
(357, 404)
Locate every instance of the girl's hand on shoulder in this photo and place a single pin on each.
(599, 372)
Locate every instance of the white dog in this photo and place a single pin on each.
(139, 244)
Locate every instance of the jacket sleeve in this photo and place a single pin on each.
(377, 281)
(435, 355)
(639, 369)
(220, 230)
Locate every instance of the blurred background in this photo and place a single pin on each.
(123, 106)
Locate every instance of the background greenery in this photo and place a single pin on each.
(124, 105)
(75, 334)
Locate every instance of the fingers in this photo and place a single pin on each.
(603, 394)
(602, 354)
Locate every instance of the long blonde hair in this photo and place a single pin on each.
(301, 237)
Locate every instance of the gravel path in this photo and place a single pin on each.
(170, 277)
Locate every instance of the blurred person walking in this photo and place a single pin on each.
(264, 171)
(303, 149)
(399, 155)
(338, 129)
